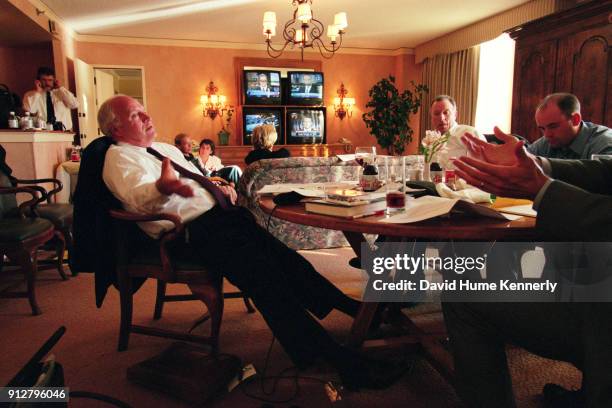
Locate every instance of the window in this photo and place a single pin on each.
(496, 71)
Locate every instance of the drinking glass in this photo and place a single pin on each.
(414, 167)
(395, 185)
(365, 154)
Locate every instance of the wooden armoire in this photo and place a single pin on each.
(569, 51)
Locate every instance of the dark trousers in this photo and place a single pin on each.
(231, 174)
(579, 333)
(283, 285)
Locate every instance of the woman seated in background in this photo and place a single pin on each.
(212, 164)
(264, 137)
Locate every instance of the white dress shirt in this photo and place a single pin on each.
(455, 147)
(212, 164)
(130, 173)
(63, 100)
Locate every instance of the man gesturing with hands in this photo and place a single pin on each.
(574, 203)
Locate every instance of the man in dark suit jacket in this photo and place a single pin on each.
(574, 203)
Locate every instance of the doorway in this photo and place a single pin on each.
(113, 81)
(95, 84)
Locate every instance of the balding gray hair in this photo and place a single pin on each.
(107, 117)
(448, 98)
(567, 103)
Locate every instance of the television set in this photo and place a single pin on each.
(305, 126)
(306, 88)
(262, 87)
(253, 117)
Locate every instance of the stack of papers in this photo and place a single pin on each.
(428, 207)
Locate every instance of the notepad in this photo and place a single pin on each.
(525, 210)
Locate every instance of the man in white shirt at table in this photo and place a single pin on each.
(443, 113)
(49, 99)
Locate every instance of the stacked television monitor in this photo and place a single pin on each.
(294, 105)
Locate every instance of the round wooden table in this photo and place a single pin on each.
(456, 227)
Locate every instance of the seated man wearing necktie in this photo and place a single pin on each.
(49, 99)
(152, 177)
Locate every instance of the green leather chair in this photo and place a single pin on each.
(21, 234)
(59, 214)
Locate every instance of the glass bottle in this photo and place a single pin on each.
(369, 177)
(26, 121)
(436, 173)
(13, 121)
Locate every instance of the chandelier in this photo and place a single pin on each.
(304, 31)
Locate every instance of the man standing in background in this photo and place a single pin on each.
(50, 100)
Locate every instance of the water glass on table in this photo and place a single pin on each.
(415, 164)
(395, 183)
(365, 155)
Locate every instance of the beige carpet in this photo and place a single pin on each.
(91, 361)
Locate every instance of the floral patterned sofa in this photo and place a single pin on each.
(295, 170)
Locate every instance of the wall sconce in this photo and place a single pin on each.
(213, 104)
(342, 104)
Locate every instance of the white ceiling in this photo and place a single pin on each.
(377, 24)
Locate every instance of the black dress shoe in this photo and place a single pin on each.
(555, 396)
(375, 374)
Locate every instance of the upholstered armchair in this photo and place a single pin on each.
(21, 234)
(59, 214)
(169, 260)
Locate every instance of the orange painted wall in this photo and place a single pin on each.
(18, 66)
(175, 77)
(407, 70)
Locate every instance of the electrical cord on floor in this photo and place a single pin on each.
(276, 380)
(280, 376)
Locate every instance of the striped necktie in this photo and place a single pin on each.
(208, 185)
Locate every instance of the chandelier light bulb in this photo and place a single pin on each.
(304, 13)
(340, 20)
(332, 31)
(301, 36)
(269, 17)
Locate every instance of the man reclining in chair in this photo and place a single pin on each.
(283, 285)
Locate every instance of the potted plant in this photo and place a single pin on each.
(224, 133)
(389, 117)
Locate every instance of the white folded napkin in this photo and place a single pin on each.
(464, 191)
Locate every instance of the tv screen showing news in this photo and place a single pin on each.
(306, 126)
(262, 88)
(253, 117)
(306, 88)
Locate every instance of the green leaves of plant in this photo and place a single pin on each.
(390, 112)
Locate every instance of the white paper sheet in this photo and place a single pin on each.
(427, 207)
(525, 210)
(346, 157)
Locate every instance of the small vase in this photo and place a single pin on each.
(426, 174)
(223, 138)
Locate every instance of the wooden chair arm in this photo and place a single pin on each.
(167, 237)
(58, 186)
(139, 217)
(31, 204)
